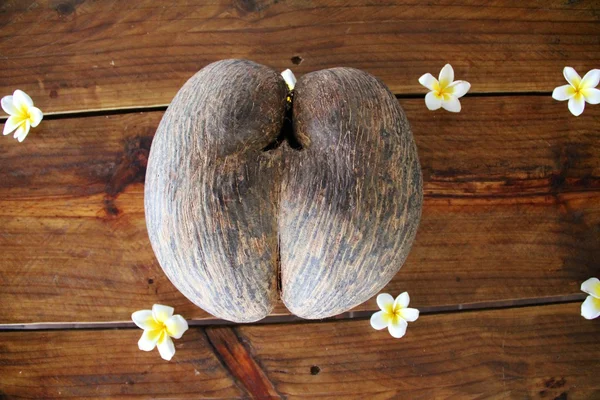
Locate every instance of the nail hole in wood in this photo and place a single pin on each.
(314, 370)
(297, 60)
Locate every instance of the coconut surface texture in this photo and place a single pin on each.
(231, 207)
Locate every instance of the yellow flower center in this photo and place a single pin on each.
(393, 313)
(163, 333)
(161, 326)
(576, 89)
(160, 331)
(595, 290)
(441, 90)
(24, 115)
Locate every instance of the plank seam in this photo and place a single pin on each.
(240, 364)
(245, 343)
(163, 107)
(219, 357)
(283, 319)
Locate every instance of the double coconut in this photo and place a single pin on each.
(253, 194)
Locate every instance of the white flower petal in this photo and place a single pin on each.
(571, 76)
(591, 286)
(166, 348)
(8, 106)
(451, 104)
(432, 101)
(591, 79)
(590, 308)
(380, 320)
(460, 88)
(22, 131)
(562, 93)
(446, 75)
(36, 116)
(289, 78)
(397, 328)
(149, 339)
(162, 313)
(428, 81)
(576, 105)
(385, 302)
(176, 326)
(12, 123)
(145, 320)
(402, 301)
(409, 314)
(592, 96)
(21, 100)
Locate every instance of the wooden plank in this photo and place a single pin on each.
(81, 55)
(511, 212)
(547, 352)
(94, 269)
(101, 363)
(535, 352)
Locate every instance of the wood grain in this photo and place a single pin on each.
(240, 363)
(351, 199)
(211, 195)
(543, 352)
(547, 352)
(86, 54)
(511, 212)
(107, 363)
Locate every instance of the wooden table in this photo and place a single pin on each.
(510, 226)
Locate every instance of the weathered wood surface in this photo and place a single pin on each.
(542, 352)
(511, 211)
(108, 363)
(237, 359)
(85, 54)
(537, 352)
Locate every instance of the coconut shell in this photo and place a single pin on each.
(351, 199)
(211, 192)
(229, 210)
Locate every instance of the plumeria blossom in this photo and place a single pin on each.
(394, 315)
(23, 115)
(578, 91)
(159, 325)
(590, 308)
(289, 78)
(445, 92)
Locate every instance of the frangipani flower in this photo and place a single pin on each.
(159, 325)
(578, 91)
(289, 78)
(394, 314)
(23, 115)
(590, 308)
(445, 92)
